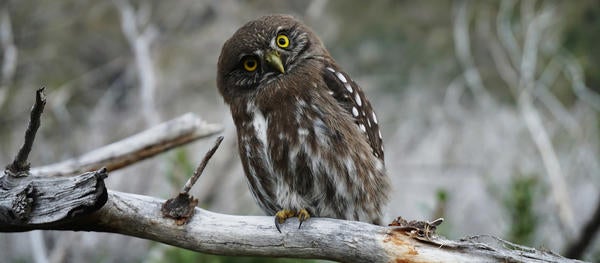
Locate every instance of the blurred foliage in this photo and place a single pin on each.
(180, 169)
(520, 206)
(442, 197)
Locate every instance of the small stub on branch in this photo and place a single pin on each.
(181, 208)
(421, 230)
(20, 166)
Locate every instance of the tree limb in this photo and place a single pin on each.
(323, 238)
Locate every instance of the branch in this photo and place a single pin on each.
(9, 54)
(28, 203)
(533, 120)
(20, 166)
(140, 42)
(146, 144)
(181, 207)
(188, 185)
(462, 46)
(322, 238)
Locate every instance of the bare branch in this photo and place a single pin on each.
(140, 42)
(575, 74)
(20, 166)
(9, 52)
(200, 168)
(462, 46)
(181, 207)
(505, 32)
(146, 144)
(323, 238)
(533, 120)
(29, 203)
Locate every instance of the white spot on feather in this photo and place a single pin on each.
(354, 112)
(374, 118)
(260, 126)
(341, 77)
(362, 127)
(348, 87)
(358, 100)
(330, 69)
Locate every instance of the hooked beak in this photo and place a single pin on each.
(274, 60)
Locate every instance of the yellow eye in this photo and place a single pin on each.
(282, 41)
(250, 64)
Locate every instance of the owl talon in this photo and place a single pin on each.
(281, 216)
(303, 215)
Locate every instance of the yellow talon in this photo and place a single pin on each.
(303, 215)
(281, 216)
(284, 214)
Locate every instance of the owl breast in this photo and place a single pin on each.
(300, 149)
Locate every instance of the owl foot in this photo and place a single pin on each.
(284, 214)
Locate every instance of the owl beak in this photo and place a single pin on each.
(274, 60)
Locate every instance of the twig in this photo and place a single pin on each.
(20, 166)
(462, 48)
(181, 207)
(188, 185)
(146, 144)
(504, 28)
(575, 74)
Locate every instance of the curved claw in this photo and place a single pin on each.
(281, 216)
(277, 224)
(303, 215)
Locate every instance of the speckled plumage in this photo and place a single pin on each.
(308, 137)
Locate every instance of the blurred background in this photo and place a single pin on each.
(489, 109)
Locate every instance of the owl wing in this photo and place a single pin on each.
(351, 97)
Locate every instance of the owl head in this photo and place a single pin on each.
(263, 50)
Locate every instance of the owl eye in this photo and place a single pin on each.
(250, 64)
(282, 41)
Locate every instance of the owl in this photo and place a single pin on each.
(308, 138)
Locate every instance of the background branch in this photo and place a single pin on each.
(146, 144)
(140, 41)
(9, 52)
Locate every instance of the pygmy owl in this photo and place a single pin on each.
(308, 137)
